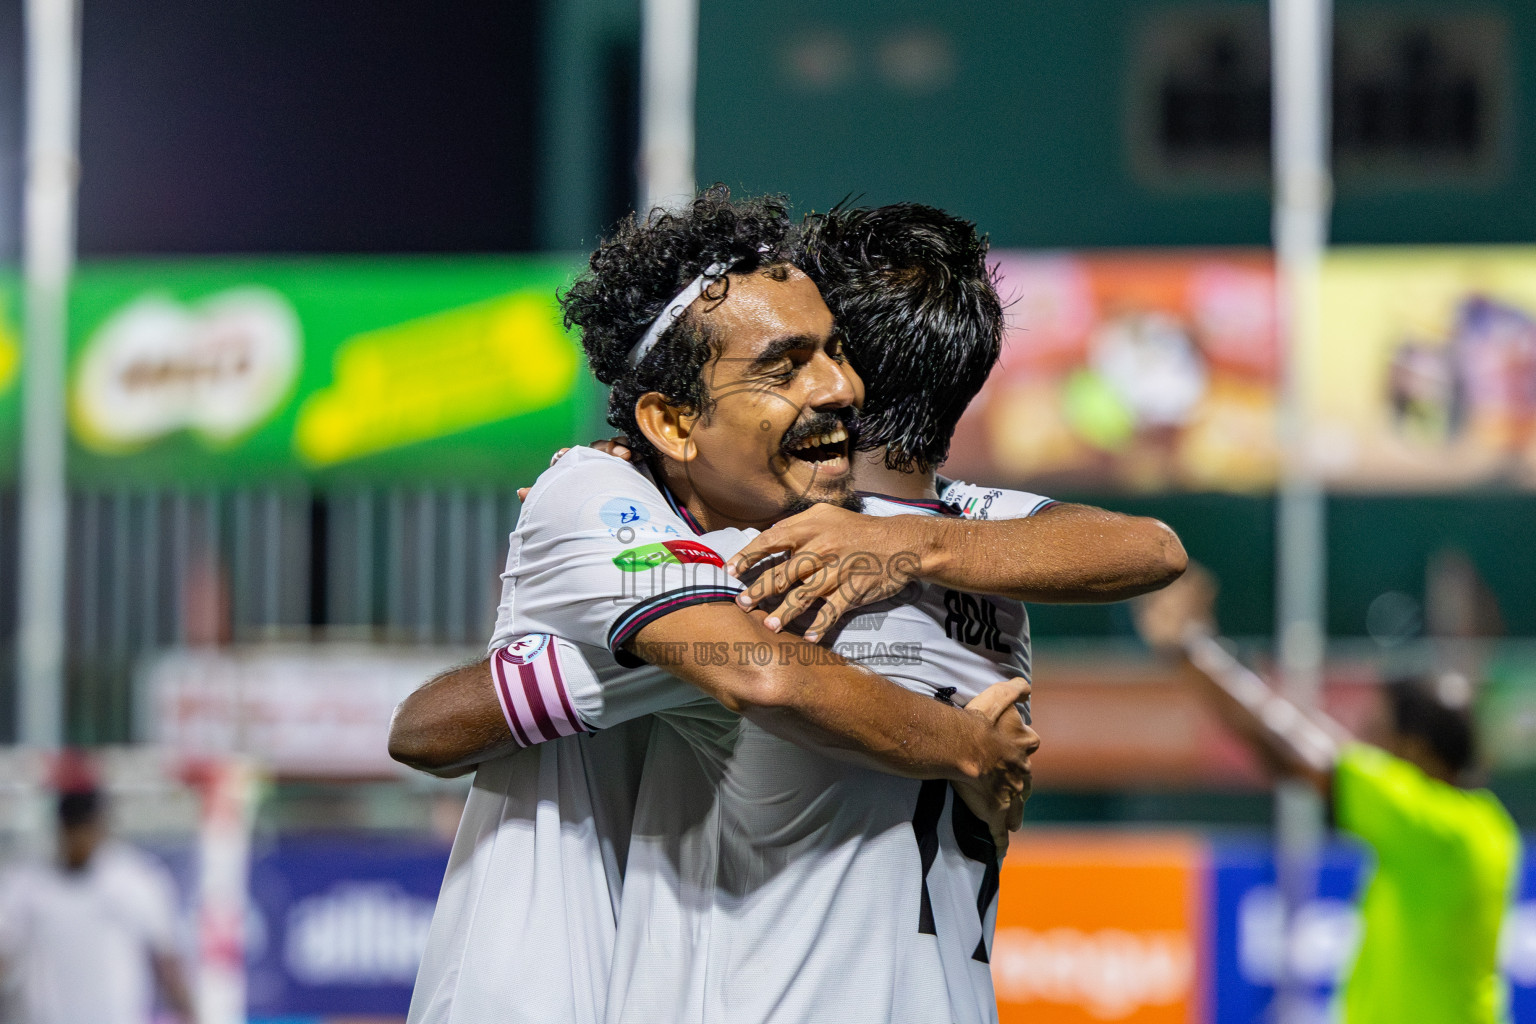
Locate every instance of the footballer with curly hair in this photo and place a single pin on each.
(756, 854)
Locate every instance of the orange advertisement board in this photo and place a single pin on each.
(1100, 928)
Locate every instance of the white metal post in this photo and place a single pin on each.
(48, 244)
(1302, 33)
(669, 41)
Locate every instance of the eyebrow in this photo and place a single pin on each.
(788, 343)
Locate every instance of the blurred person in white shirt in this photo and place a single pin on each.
(87, 937)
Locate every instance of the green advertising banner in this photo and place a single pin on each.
(332, 371)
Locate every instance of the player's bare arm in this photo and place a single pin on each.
(849, 711)
(454, 721)
(1180, 621)
(451, 723)
(1064, 554)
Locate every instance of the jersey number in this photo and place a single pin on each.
(975, 841)
(973, 621)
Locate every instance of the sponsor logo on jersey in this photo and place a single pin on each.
(666, 552)
(690, 551)
(979, 507)
(526, 648)
(620, 512)
(647, 556)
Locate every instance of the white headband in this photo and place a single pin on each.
(678, 306)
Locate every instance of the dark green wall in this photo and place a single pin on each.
(1375, 544)
(1028, 138)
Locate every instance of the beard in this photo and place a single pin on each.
(849, 500)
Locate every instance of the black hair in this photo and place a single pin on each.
(1419, 710)
(919, 314)
(79, 807)
(636, 272)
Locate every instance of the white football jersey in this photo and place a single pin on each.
(524, 925)
(537, 867)
(767, 882)
(976, 502)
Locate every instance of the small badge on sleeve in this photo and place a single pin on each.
(530, 687)
(526, 648)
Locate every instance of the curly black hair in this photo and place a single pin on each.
(632, 276)
(920, 316)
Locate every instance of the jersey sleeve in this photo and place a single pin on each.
(1392, 805)
(599, 552)
(976, 502)
(548, 687)
(538, 679)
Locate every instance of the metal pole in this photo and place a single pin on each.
(1302, 42)
(669, 43)
(53, 100)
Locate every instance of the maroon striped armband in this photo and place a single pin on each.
(532, 690)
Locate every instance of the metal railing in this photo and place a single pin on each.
(156, 569)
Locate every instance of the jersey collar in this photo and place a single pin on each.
(931, 504)
(679, 508)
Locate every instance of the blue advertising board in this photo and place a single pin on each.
(339, 925)
(1244, 933)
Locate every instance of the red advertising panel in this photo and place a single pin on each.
(1100, 928)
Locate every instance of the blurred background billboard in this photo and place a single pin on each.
(1426, 374)
(211, 372)
(1135, 371)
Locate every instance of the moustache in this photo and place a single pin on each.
(821, 423)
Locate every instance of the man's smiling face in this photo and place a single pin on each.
(785, 401)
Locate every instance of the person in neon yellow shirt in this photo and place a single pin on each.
(1446, 856)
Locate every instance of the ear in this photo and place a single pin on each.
(668, 427)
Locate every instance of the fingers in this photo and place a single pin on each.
(987, 804)
(833, 607)
(771, 541)
(855, 590)
(999, 697)
(615, 446)
(1015, 815)
(796, 569)
(618, 447)
(798, 601)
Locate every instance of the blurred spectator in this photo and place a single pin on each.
(1446, 856)
(1458, 602)
(84, 939)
